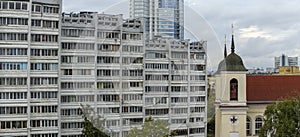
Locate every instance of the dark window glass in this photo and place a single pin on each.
(18, 5)
(24, 6)
(4, 6)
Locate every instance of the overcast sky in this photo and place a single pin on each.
(263, 29)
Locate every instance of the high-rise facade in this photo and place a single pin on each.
(161, 17)
(29, 66)
(102, 67)
(285, 60)
(107, 64)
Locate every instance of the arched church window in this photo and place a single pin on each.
(233, 89)
(248, 126)
(258, 124)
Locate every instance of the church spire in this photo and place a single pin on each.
(225, 49)
(232, 40)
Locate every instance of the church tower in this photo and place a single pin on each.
(231, 107)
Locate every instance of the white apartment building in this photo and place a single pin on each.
(102, 66)
(29, 66)
(107, 64)
(161, 17)
(175, 85)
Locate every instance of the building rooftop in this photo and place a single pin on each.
(272, 88)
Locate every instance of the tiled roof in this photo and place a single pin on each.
(272, 88)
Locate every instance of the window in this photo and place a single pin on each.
(197, 109)
(78, 98)
(43, 81)
(108, 98)
(156, 89)
(71, 112)
(157, 112)
(197, 130)
(43, 123)
(13, 110)
(108, 60)
(132, 121)
(43, 109)
(108, 110)
(70, 125)
(108, 85)
(179, 99)
(157, 66)
(78, 46)
(108, 72)
(248, 126)
(13, 95)
(258, 124)
(13, 21)
(108, 47)
(76, 71)
(36, 23)
(77, 85)
(136, 84)
(77, 33)
(179, 88)
(179, 110)
(130, 48)
(156, 55)
(77, 59)
(44, 95)
(13, 66)
(198, 99)
(44, 66)
(50, 10)
(44, 52)
(132, 97)
(13, 81)
(133, 60)
(132, 109)
(13, 36)
(233, 89)
(13, 124)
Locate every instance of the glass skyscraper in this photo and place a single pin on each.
(161, 17)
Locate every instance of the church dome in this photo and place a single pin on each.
(232, 62)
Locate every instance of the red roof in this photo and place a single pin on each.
(272, 88)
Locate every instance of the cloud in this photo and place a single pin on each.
(255, 32)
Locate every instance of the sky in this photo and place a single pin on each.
(262, 29)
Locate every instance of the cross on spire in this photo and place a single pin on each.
(232, 40)
(225, 49)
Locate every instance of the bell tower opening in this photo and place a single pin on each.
(233, 90)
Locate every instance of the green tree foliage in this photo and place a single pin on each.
(282, 119)
(93, 123)
(90, 131)
(151, 128)
(211, 127)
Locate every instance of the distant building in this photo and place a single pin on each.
(284, 60)
(289, 70)
(161, 17)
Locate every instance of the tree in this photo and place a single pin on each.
(90, 131)
(282, 119)
(151, 128)
(211, 127)
(93, 123)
